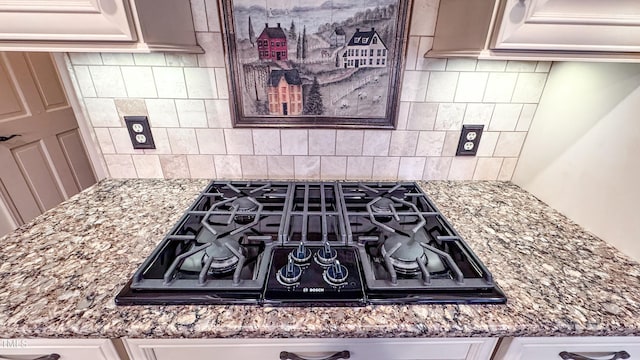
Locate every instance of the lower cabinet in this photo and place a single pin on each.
(569, 348)
(54, 349)
(316, 349)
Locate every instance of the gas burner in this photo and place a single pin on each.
(382, 205)
(405, 253)
(326, 255)
(220, 255)
(336, 274)
(301, 254)
(244, 205)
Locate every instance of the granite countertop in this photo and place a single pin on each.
(59, 275)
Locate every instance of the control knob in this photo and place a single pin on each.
(336, 274)
(326, 255)
(301, 254)
(289, 274)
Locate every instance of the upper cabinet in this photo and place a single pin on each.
(97, 25)
(539, 29)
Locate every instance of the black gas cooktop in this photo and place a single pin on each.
(311, 243)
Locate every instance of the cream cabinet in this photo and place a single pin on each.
(538, 30)
(54, 349)
(295, 349)
(569, 348)
(97, 25)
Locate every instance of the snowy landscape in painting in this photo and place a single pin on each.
(315, 58)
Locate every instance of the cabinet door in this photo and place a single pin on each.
(569, 25)
(550, 348)
(64, 20)
(68, 349)
(270, 349)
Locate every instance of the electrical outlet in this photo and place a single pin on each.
(139, 132)
(469, 140)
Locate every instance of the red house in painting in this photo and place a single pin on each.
(272, 43)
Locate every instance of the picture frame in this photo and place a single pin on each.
(315, 63)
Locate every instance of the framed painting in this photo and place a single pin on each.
(315, 63)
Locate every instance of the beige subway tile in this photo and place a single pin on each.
(322, 142)
(162, 112)
(478, 114)
(429, 64)
(239, 141)
(462, 168)
(130, 107)
(403, 115)
(201, 166)
(175, 166)
(333, 167)
(213, 18)
(529, 87)
(151, 59)
(254, 167)
(266, 142)
(423, 19)
(211, 43)
(170, 82)
(122, 141)
(221, 83)
(161, 140)
(104, 140)
(359, 167)
(120, 166)
(449, 116)
(442, 86)
(117, 59)
(385, 168)
(108, 81)
(307, 167)
(412, 52)
(199, 14)
(505, 117)
(191, 113)
(437, 168)
(461, 64)
(211, 141)
(491, 65)
(451, 140)
(430, 143)
(85, 83)
(521, 66)
(139, 81)
(422, 116)
(487, 168)
(201, 83)
(147, 166)
(471, 86)
(526, 117)
(411, 168)
(85, 58)
(414, 86)
(102, 112)
(183, 141)
(376, 142)
(349, 142)
(294, 142)
(500, 87)
(506, 171)
(280, 167)
(509, 144)
(488, 143)
(218, 114)
(543, 66)
(181, 60)
(403, 143)
(228, 166)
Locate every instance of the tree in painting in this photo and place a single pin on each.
(313, 104)
(252, 34)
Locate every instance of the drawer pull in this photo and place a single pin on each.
(285, 355)
(614, 356)
(46, 357)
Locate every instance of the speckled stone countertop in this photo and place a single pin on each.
(59, 275)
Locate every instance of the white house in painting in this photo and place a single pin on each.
(365, 49)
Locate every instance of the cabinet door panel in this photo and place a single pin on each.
(68, 349)
(569, 25)
(89, 20)
(550, 348)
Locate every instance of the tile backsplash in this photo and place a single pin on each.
(186, 99)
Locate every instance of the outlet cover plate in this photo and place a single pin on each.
(469, 140)
(139, 132)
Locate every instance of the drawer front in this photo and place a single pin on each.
(68, 349)
(599, 348)
(270, 349)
